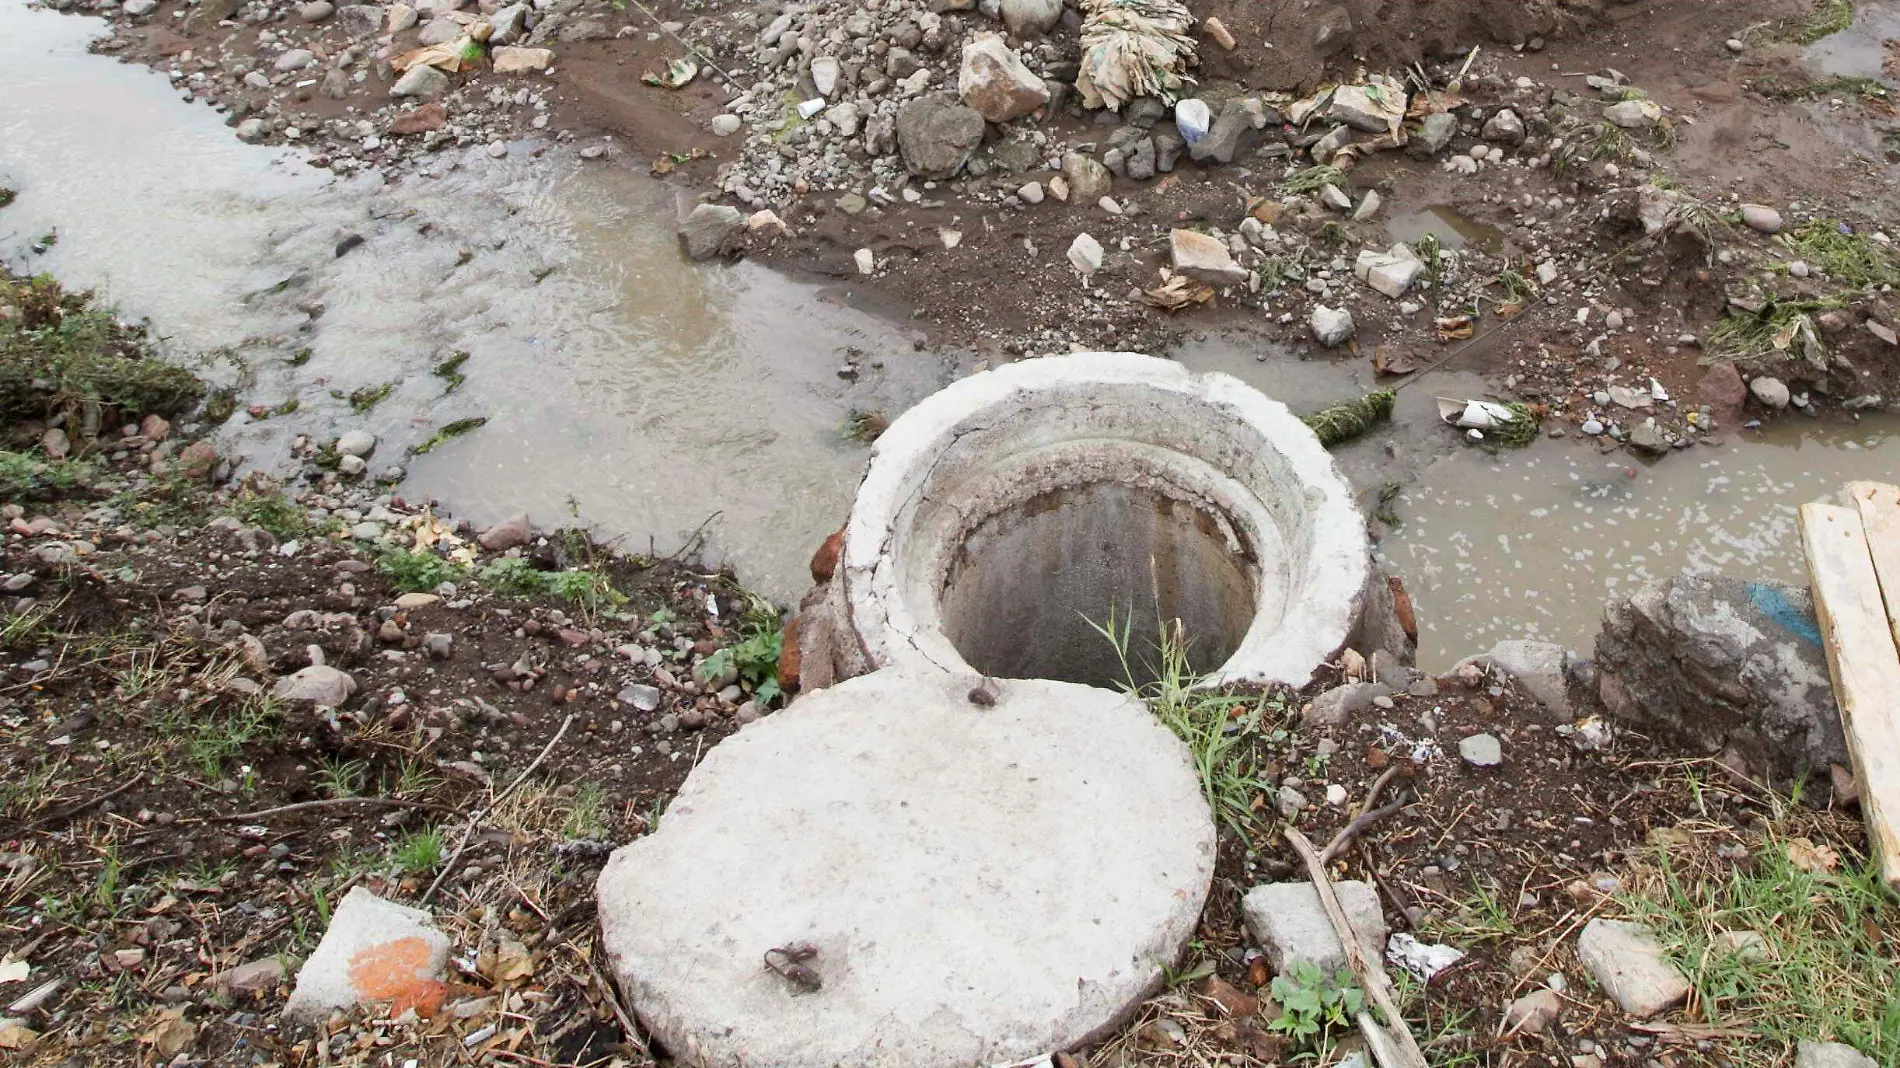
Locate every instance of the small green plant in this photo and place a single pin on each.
(1826, 18)
(419, 851)
(515, 576)
(864, 426)
(1781, 328)
(449, 432)
(340, 778)
(1843, 255)
(1312, 180)
(27, 477)
(6, 196)
(367, 397)
(450, 371)
(1803, 89)
(272, 511)
(1313, 1003)
(215, 739)
(587, 813)
(755, 656)
(1221, 730)
(416, 572)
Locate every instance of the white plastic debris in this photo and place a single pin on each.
(1475, 414)
(1422, 959)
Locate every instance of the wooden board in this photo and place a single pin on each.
(1879, 507)
(1864, 661)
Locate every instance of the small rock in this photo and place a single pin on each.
(257, 977)
(1629, 964)
(356, 443)
(56, 444)
(1533, 1012)
(1030, 193)
(1482, 751)
(726, 125)
(1811, 1054)
(1634, 114)
(1505, 127)
(994, 81)
(316, 10)
(1085, 253)
(514, 59)
(317, 686)
(1332, 327)
(936, 135)
(295, 59)
(1031, 18)
(1291, 925)
(1204, 259)
(1742, 945)
(374, 952)
(866, 261)
(1771, 392)
(1762, 218)
(824, 75)
(1218, 30)
(421, 80)
(507, 534)
(1089, 181)
(641, 696)
(711, 231)
(1435, 132)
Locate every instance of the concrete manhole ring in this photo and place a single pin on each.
(982, 884)
(1006, 517)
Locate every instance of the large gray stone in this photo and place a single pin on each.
(1720, 665)
(937, 135)
(1029, 18)
(1289, 922)
(1542, 668)
(317, 686)
(1089, 180)
(1628, 963)
(1811, 1054)
(375, 952)
(982, 883)
(711, 231)
(1435, 132)
(1204, 258)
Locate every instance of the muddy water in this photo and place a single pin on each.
(1860, 51)
(621, 386)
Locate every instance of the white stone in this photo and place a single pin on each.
(1354, 106)
(356, 443)
(866, 260)
(393, 946)
(515, 59)
(1029, 18)
(1204, 259)
(1030, 193)
(318, 685)
(1628, 963)
(1811, 1054)
(1334, 197)
(1772, 392)
(1290, 924)
(1392, 273)
(824, 75)
(993, 80)
(1762, 218)
(1331, 327)
(890, 823)
(1085, 254)
(296, 59)
(726, 125)
(1481, 750)
(420, 80)
(1634, 114)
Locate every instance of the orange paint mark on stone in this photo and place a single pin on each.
(398, 972)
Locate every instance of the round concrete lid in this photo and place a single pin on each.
(981, 883)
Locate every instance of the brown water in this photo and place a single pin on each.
(622, 386)
(645, 395)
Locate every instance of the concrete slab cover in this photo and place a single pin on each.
(1259, 487)
(982, 884)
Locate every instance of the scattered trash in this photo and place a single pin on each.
(1132, 49)
(1455, 328)
(1177, 293)
(1422, 959)
(676, 74)
(1513, 425)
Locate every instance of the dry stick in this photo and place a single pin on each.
(1370, 972)
(475, 821)
(1351, 830)
(335, 802)
(75, 810)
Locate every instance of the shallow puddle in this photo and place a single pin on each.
(1454, 229)
(1532, 544)
(1861, 50)
(622, 387)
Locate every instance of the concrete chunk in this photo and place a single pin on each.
(374, 952)
(949, 863)
(1289, 922)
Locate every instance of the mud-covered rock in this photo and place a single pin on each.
(937, 135)
(1724, 666)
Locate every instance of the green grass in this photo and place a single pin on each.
(419, 851)
(448, 433)
(63, 354)
(341, 778)
(215, 738)
(1312, 180)
(1781, 329)
(1783, 89)
(1845, 256)
(1482, 917)
(272, 511)
(367, 397)
(516, 576)
(1221, 730)
(1826, 970)
(1828, 17)
(450, 372)
(416, 572)
(587, 813)
(27, 477)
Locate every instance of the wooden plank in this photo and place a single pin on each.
(1879, 506)
(1865, 664)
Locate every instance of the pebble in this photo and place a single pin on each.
(497, 149)
(1482, 751)
(1762, 218)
